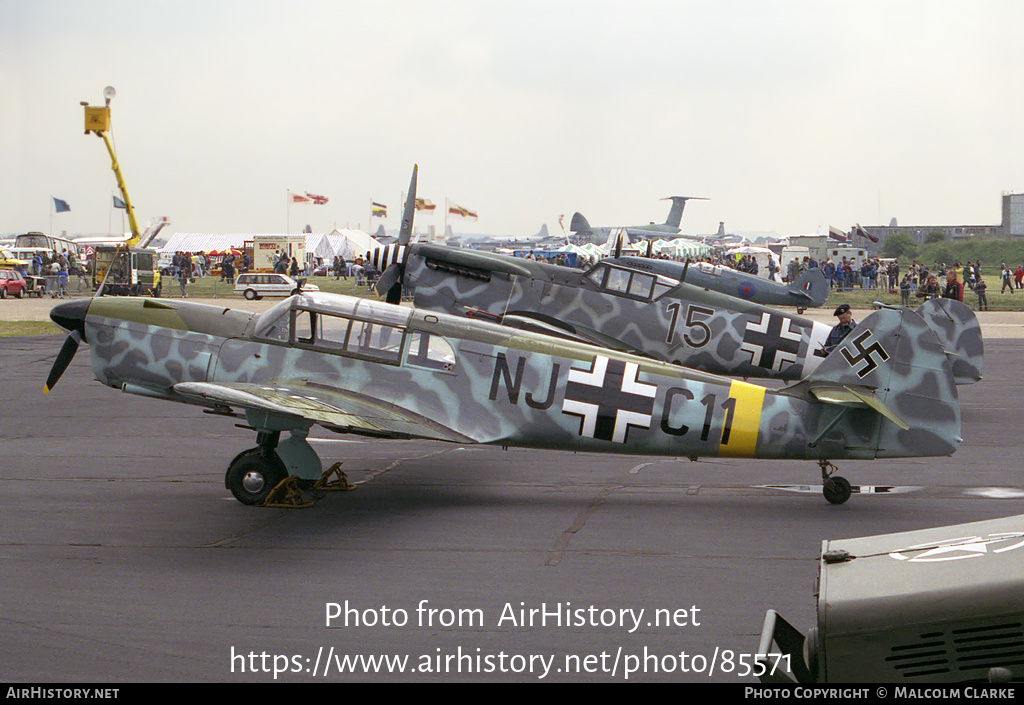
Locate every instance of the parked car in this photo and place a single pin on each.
(11, 282)
(256, 285)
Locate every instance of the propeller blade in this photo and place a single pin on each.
(650, 248)
(64, 357)
(405, 233)
(618, 247)
(391, 276)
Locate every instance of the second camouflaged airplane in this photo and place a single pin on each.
(639, 305)
(375, 369)
(630, 304)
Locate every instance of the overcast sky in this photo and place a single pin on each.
(789, 115)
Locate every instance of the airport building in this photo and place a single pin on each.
(1012, 225)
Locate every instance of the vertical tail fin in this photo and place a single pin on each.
(893, 380)
(810, 289)
(675, 214)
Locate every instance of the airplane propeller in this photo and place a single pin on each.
(71, 317)
(618, 247)
(389, 283)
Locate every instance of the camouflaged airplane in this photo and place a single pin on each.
(809, 290)
(370, 368)
(629, 304)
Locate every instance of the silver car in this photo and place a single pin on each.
(256, 285)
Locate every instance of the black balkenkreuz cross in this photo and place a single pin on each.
(773, 342)
(609, 398)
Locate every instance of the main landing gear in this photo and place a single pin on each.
(255, 472)
(259, 476)
(836, 489)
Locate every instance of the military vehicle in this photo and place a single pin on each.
(939, 605)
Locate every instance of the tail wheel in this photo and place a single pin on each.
(251, 476)
(837, 489)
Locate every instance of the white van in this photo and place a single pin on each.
(256, 285)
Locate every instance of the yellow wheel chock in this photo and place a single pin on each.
(287, 495)
(339, 483)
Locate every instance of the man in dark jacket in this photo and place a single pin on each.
(840, 330)
(954, 287)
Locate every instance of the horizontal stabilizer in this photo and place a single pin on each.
(849, 396)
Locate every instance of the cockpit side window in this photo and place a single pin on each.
(618, 280)
(641, 285)
(430, 351)
(596, 275)
(347, 336)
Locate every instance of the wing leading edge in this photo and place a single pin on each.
(338, 410)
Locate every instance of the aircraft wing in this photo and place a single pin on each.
(338, 410)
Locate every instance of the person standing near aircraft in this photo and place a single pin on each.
(840, 330)
(930, 288)
(954, 287)
(979, 289)
(905, 286)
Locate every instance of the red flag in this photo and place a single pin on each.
(299, 198)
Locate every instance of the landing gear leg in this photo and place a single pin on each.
(836, 489)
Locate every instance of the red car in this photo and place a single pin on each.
(11, 282)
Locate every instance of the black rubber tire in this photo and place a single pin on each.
(837, 489)
(251, 476)
(250, 295)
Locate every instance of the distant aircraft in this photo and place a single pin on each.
(670, 228)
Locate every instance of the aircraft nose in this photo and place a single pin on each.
(71, 315)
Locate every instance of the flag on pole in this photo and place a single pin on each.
(118, 203)
(317, 200)
(379, 210)
(836, 234)
(299, 198)
(423, 204)
(60, 206)
(455, 209)
(859, 229)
